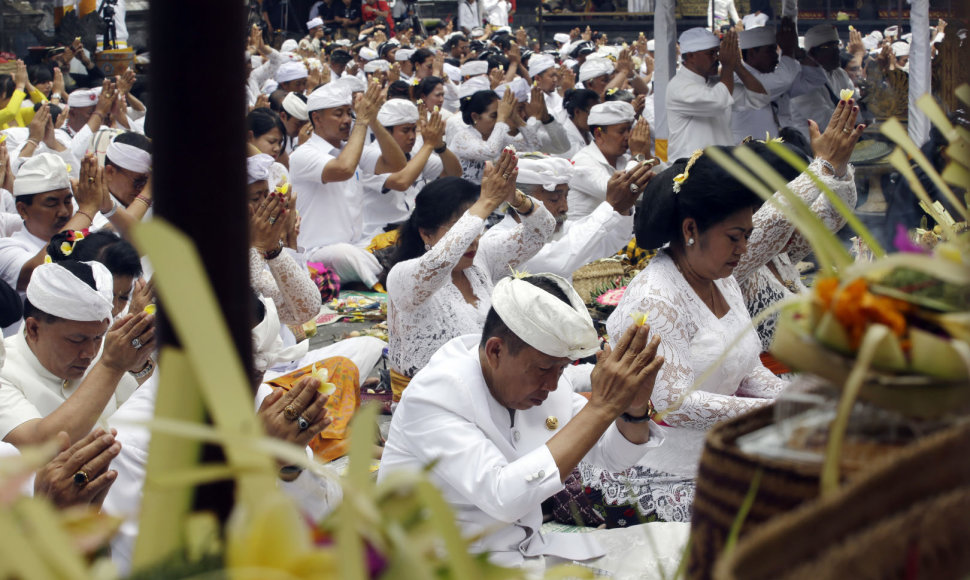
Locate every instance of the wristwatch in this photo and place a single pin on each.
(144, 372)
(648, 416)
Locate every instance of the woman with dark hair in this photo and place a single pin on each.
(712, 234)
(266, 132)
(492, 124)
(441, 282)
(576, 104)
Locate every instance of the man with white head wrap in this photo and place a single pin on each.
(545, 73)
(44, 198)
(291, 77)
(594, 74)
(127, 172)
(614, 135)
(294, 116)
(324, 171)
(700, 100)
(502, 428)
(576, 242)
(901, 54)
(782, 77)
(389, 195)
(822, 44)
(53, 378)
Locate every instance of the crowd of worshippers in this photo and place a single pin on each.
(434, 169)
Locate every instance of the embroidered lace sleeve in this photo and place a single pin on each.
(772, 230)
(288, 283)
(470, 145)
(412, 282)
(517, 245)
(761, 383)
(798, 246)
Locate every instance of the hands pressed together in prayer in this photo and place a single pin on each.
(624, 377)
(295, 416)
(79, 474)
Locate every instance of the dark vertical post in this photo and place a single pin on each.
(198, 133)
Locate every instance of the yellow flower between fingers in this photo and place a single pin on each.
(151, 308)
(846, 94)
(639, 318)
(322, 374)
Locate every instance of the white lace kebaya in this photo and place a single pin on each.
(425, 309)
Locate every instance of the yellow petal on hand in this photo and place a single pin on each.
(846, 94)
(150, 309)
(639, 318)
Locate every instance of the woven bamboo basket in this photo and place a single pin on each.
(594, 276)
(904, 518)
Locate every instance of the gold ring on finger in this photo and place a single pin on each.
(291, 413)
(846, 131)
(80, 478)
(90, 180)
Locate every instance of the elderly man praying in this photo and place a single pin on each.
(492, 415)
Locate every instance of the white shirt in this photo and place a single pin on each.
(788, 79)
(699, 113)
(494, 469)
(332, 212)
(818, 105)
(469, 15)
(591, 172)
(598, 235)
(384, 206)
(16, 251)
(29, 391)
(496, 12)
(724, 12)
(424, 307)
(575, 136)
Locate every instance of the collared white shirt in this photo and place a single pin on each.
(29, 391)
(332, 212)
(591, 172)
(699, 113)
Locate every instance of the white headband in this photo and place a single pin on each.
(397, 112)
(295, 106)
(540, 63)
(547, 172)
(129, 157)
(55, 290)
(543, 321)
(257, 168)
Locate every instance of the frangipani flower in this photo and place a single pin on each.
(680, 178)
(846, 94)
(67, 248)
(151, 308)
(639, 318)
(518, 273)
(322, 374)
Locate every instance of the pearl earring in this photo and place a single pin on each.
(427, 247)
(690, 241)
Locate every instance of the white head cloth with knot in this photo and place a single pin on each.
(55, 290)
(545, 322)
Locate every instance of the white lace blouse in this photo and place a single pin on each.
(775, 240)
(425, 309)
(287, 281)
(473, 151)
(691, 341)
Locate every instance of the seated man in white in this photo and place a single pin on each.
(53, 378)
(617, 145)
(575, 243)
(324, 171)
(44, 200)
(487, 414)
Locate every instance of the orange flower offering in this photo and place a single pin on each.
(855, 307)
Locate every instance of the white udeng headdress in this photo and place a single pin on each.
(543, 321)
(55, 290)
